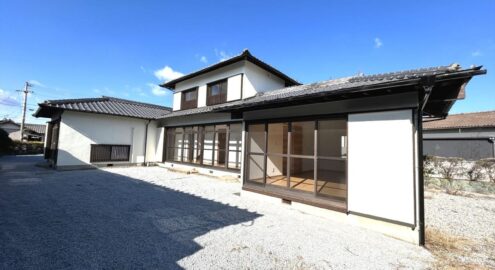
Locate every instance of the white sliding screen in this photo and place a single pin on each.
(381, 165)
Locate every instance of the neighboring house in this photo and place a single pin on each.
(467, 135)
(351, 145)
(32, 132)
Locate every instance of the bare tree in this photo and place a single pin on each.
(488, 166)
(474, 171)
(448, 168)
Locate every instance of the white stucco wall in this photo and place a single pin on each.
(177, 101)
(215, 75)
(234, 87)
(202, 96)
(79, 130)
(381, 165)
(259, 80)
(243, 78)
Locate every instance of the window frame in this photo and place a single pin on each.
(217, 99)
(189, 104)
(280, 191)
(200, 144)
(94, 159)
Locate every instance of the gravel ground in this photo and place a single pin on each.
(128, 218)
(469, 217)
(151, 218)
(282, 237)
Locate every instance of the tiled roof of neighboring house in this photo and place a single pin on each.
(38, 128)
(340, 86)
(103, 105)
(245, 55)
(463, 120)
(6, 120)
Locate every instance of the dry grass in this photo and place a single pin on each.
(451, 251)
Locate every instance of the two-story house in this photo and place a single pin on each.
(347, 148)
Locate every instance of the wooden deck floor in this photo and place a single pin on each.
(302, 183)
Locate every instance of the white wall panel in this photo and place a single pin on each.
(202, 96)
(381, 165)
(79, 130)
(177, 101)
(234, 87)
(259, 80)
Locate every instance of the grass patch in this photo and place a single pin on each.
(450, 251)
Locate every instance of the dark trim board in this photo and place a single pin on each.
(205, 124)
(421, 181)
(459, 139)
(179, 163)
(288, 196)
(412, 226)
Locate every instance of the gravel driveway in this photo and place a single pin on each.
(128, 218)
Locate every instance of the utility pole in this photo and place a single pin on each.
(26, 91)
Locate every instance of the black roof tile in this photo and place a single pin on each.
(245, 55)
(329, 87)
(104, 105)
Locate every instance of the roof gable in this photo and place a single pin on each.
(244, 56)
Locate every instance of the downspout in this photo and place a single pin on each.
(427, 86)
(146, 141)
(492, 139)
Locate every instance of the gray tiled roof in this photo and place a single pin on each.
(36, 128)
(105, 105)
(463, 120)
(329, 87)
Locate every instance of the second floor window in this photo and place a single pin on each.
(189, 99)
(217, 93)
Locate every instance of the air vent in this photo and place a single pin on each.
(286, 201)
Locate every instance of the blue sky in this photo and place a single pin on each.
(71, 49)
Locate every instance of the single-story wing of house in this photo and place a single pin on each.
(348, 148)
(467, 135)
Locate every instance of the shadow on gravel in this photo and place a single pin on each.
(100, 220)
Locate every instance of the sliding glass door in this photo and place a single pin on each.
(307, 156)
(209, 145)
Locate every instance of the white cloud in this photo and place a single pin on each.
(476, 53)
(8, 99)
(203, 59)
(378, 43)
(167, 74)
(222, 55)
(36, 83)
(157, 90)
